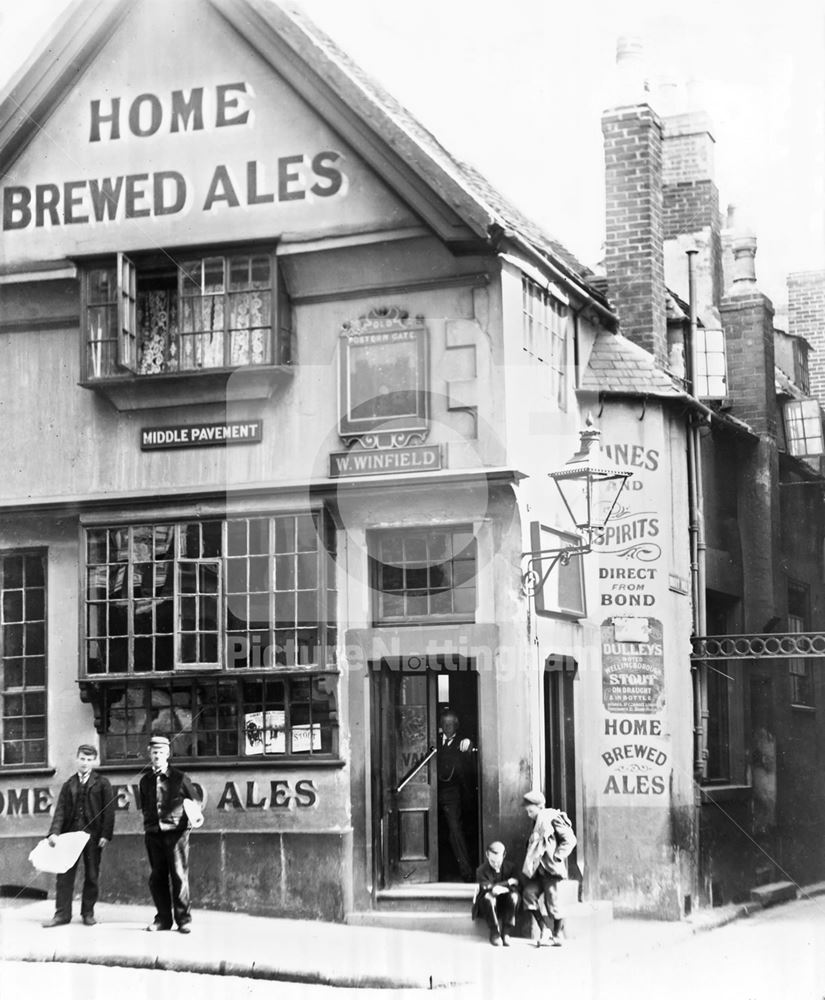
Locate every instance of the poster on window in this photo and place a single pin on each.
(306, 738)
(264, 733)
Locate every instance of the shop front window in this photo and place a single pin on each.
(23, 658)
(165, 315)
(219, 594)
(423, 574)
(274, 718)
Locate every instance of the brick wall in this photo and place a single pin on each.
(806, 318)
(691, 203)
(634, 257)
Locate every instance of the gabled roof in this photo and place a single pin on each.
(395, 144)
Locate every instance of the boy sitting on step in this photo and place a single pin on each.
(497, 896)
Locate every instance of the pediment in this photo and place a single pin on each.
(190, 123)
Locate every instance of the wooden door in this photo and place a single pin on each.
(407, 803)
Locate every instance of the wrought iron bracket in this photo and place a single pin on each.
(533, 579)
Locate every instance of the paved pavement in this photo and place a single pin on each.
(334, 954)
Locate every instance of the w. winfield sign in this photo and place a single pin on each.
(425, 458)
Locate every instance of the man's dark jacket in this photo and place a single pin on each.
(176, 788)
(100, 807)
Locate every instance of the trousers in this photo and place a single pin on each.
(449, 808)
(168, 852)
(500, 910)
(91, 876)
(548, 886)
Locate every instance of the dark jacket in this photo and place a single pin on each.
(452, 762)
(176, 788)
(487, 877)
(100, 807)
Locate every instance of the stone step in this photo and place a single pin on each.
(445, 897)
(581, 920)
(774, 892)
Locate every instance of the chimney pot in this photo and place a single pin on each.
(744, 264)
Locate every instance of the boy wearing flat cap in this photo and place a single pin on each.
(86, 803)
(163, 791)
(545, 865)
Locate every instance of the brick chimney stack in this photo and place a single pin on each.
(634, 258)
(691, 207)
(747, 319)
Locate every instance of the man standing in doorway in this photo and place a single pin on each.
(163, 791)
(453, 761)
(85, 804)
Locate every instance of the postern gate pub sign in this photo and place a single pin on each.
(383, 397)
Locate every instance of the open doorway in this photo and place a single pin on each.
(425, 788)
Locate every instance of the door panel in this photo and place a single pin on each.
(414, 844)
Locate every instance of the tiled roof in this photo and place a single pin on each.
(617, 365)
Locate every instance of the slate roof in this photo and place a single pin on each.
(616, 365)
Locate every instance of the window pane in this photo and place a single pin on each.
(22, 666)
(432, 574)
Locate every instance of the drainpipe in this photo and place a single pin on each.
(698, 545)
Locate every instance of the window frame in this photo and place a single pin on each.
(374, 539)
(797, 416)
(800, 674)
(41, 553)
(546, 336)
(152, 708)
(324, 625)
(123, 307)
(702, 375)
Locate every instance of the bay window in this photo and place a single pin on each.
(166, 314)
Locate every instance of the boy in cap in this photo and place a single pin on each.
(497, 896)
(85, 803)
(545, 864)
(163, 791)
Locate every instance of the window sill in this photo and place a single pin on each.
(150, 392)
(193, 763)
(809, 709)
(725, 793)
(33, 770)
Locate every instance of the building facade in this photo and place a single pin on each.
(283, 383)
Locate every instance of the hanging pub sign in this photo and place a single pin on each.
(383, 396)
(383, 379)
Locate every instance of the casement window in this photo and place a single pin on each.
(240, 593)
(424, 574)
(800, 365)
(23, 653)
(799, 669)
(803, 427)
(719, 685)
(545, 325)
(710, 378)
(282, 717)
(168, 314)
